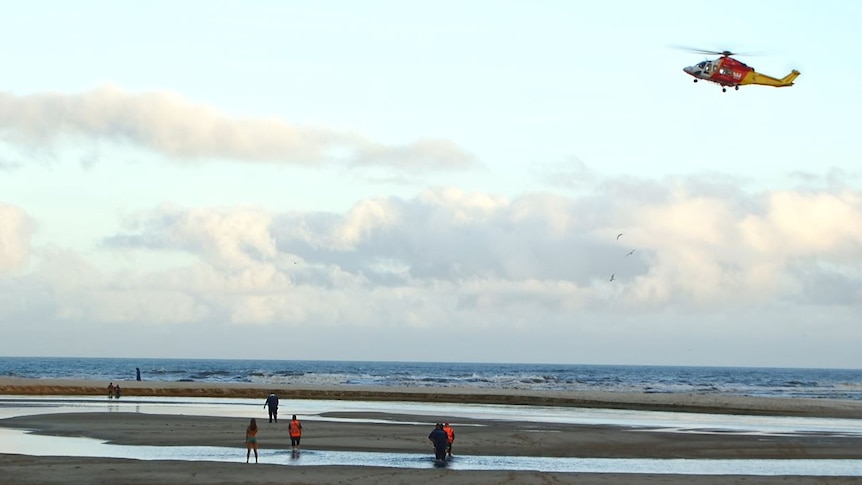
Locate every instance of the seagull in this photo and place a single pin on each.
(630, 252)
(612, 277)
(619, 235)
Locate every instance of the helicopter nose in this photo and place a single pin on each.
(692, 70)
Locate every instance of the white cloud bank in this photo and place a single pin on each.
(699, 252)
(169, 124)
(707, 264)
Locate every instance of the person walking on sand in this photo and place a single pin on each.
(440, 440)
(137, 373)
(295, 429)
(251, 440)
(272, 403)
(450, 433)
(111, 390)
(117, 391)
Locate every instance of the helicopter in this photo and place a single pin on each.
(729, 72)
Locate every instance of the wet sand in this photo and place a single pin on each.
(491, 438)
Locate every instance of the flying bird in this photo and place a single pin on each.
(630, 252)
(612, 277)
(619, 235)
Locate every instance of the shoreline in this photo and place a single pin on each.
(682, 402)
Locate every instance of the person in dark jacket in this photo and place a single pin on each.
(440, 440)
(272, 403)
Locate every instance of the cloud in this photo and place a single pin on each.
(476, 262)
(8, 166)
(171, 125)
(228, 238)
(419, 155)
(835, 178)
(693, 251)
(15, 231)
(571, 174)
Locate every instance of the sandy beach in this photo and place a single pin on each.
(401, 433)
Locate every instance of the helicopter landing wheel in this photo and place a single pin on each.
(736, 88)
(723, 90)
(695, 80)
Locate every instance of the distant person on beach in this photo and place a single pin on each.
(295, 429)
(440, 440)
(111, 390)
(272, 403)
(450, 434)
(251, 440)
(117, 391)
(137, 373)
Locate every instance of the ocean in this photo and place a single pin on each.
(741, 381)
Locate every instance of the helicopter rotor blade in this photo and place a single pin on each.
(725, 53)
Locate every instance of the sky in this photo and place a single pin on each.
(430, 181)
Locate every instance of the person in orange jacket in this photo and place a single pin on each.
(451, 434)
(295, 429)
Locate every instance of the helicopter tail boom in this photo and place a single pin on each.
(754, 77)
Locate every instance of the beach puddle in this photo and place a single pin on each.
(14, 441)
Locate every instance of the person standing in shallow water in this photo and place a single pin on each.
(440, 440)
(251, 440)
(450, 433)
(295, 429)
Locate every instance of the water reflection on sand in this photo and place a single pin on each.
(21, 442)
